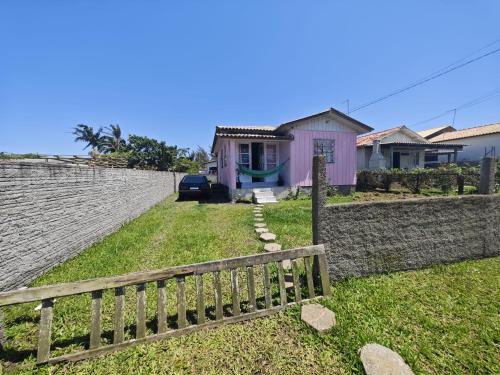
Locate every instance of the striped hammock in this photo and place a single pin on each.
(257, 173)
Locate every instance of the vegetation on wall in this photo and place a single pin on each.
(140, 151)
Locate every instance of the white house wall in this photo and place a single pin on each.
(474, 151)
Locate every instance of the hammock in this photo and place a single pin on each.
(256, 173)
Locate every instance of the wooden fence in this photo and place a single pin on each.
(308, 286)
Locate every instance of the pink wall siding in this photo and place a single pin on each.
(342, 172)
(226, 175)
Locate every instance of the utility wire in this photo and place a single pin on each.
(431, 77)
(468, 104)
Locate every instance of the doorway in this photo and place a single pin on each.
(396, 160)
(257, 159)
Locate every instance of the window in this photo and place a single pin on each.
(244, 155)
(271, 157)
(325, 147)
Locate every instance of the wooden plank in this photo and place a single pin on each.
(219, 315)
(252, 300)
(95, 324)
(325, 278)
(161, 306)
(119, 315)
(235, 292)
(141, 311)
(200, 300)
(281, 281)
(169, 334)
(267, 285)
(181, 302)
(44, 336)
(84, 286)
(296, 281)
(309, 276)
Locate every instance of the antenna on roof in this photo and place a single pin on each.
(346, 101)
(454, 115)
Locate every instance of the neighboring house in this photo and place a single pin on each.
(210, 170)
(267, 156)
(399, 147)
(479, 140)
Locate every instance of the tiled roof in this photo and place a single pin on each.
(467, 133)
(367, 140)
(264, 128)
(255, 136)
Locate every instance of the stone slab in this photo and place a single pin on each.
(318, 317)
(261, 230)
(267, 237)
(287, 264)
(259, 225)
(259, 219)
(272, 246)
(258, 215)
(379, 360)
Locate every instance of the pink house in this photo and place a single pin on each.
(280, 157)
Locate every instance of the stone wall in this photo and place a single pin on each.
(51, 212)
(376, 237)
(386, 236)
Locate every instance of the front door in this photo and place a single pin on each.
(257, 159)
(396, 160)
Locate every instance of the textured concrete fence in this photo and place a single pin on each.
(376, 237)
(51, 212)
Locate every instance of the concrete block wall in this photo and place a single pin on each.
(377, 237)
(49, 212)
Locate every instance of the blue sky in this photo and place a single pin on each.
(173, 70)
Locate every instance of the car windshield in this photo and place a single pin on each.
(194, 179)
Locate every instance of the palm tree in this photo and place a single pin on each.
(113, 141)
(85, 133)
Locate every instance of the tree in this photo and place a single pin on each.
(149, 153)
(201, 155)
(85, 133)
(112, 140)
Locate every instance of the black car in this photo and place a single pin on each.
(194, 186)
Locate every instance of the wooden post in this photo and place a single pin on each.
(235, 291)
(200, 300)
(141, 311)
(281, 280)
(119, 315)
(267, 285)
(219, 314)
(181, 303)
(44, 335)
(161, 306)
(252, 301)
(296, 281)
(95, 326)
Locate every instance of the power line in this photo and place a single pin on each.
(431, 77)
(468, 104)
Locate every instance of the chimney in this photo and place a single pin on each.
(377, 160)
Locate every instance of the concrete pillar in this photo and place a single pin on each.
(319, 189)
(487, 179)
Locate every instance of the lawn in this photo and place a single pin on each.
(441, 320)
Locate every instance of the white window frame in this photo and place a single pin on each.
(249, 153)
(265, 154)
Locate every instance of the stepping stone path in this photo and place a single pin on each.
(319, 318)
(379, 360)
(266, 236)
(272, 247)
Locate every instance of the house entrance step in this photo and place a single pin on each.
(261, 196)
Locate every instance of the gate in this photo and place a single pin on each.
(270, 266)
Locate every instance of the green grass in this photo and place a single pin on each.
(441, 320)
